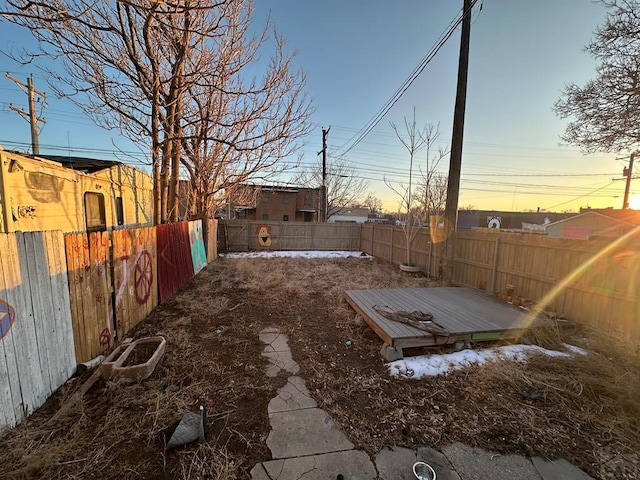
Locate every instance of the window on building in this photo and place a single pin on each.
(265, 196)
(265, 216)
(286, 198)
(308, 198)
(94, 212)
(119, 211)
(285, 218)
(241, 214)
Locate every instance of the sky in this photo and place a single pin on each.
(356, 54)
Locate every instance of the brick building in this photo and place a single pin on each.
(279, 204)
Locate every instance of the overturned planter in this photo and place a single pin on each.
(114, 365)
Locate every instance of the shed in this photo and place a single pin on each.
(589, 225)
(71, 194)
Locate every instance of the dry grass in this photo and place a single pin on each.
(590, 415)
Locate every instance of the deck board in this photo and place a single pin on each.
(462, 311)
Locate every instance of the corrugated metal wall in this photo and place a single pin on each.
(175, 263)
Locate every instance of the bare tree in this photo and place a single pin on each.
(344, 186)
(606, 109)
(431, 190)
(411, 223)
(171, 74)
(240, 129)
(373, 203)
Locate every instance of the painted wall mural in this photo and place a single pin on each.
(196, 242)
(7, 317)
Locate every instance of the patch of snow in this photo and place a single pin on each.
(296, 254)
(574, 349)
(433, 365)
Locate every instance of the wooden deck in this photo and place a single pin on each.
(466, 313)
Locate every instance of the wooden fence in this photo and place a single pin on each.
(36, 339)
(64, 299)
(390, 243)
(589, 282)
(245, 235)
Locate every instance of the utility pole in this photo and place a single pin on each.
(323, 194)
(455, 159)
(628, 172)
(32, 116)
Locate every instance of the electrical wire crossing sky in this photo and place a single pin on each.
(371, 62)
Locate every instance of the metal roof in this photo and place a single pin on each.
(83, 164)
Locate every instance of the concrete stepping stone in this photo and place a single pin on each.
(397, 463)
(280, 361)
(559, 469)
(299, 433)
(443, 468)
(277, 351)
(478, 464)
(293, 396)
(351, 465)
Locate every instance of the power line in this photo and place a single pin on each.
(581, 196)
(364, 131)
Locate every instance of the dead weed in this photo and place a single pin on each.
(588, 412)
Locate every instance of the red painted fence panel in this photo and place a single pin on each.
(175, 265)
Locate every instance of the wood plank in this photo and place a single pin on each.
(75, 273)
(10, 396)
(462, 311)
(32, 251)
(100, 273)
(61, 305)
(24, 333)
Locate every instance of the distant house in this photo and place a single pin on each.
(595, 224)
(274, 203)
(350, 215)
(470, 219)
(72, 194)
(381, 218)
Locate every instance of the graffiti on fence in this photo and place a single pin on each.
(143, 277)
(264, 236)
(105, 337)
(7, 317)
(142, 269)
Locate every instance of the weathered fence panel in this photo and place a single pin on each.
(244, 235)
(36, 340)
(211, 239)
(590, 282)
(390, 243)
(196, 243)
(134, 276)
(89, 269)
(175, 263)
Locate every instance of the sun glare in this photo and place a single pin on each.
(634, 202)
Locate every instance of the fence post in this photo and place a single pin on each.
(391, 247)
(429, 261)
(373, 234)
(494, 271)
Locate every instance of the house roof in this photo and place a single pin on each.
(624, 215)
(83, 164)
(592, 213)
(351, 212)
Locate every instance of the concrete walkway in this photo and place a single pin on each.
(305, 443)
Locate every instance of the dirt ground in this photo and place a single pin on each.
(590, 416)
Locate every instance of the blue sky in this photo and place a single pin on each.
(357, 53)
